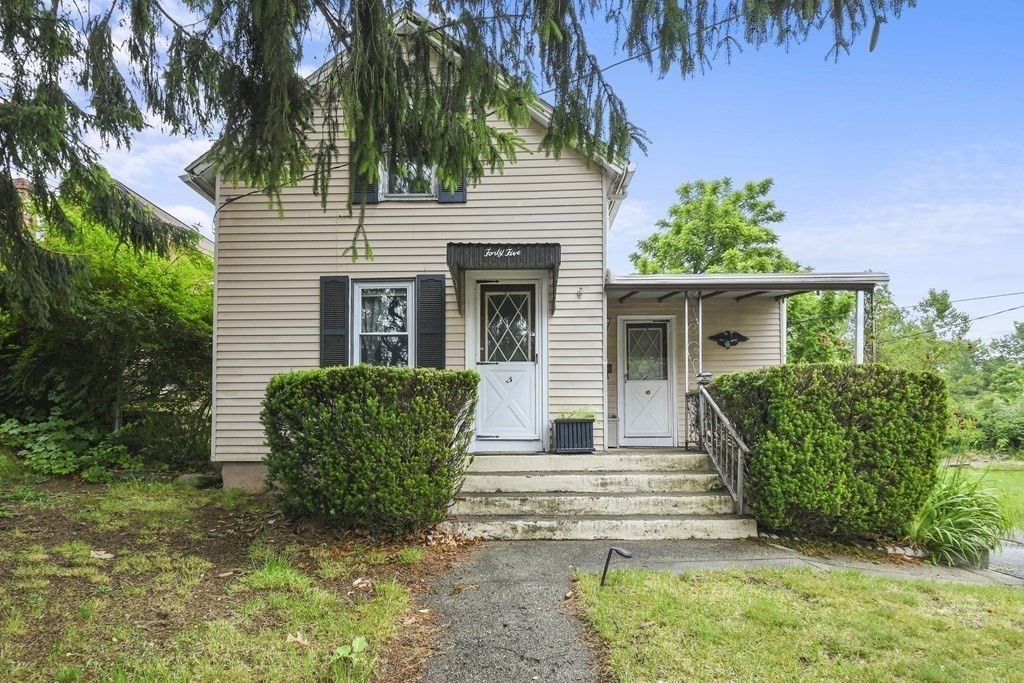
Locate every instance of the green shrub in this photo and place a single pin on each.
(379, 449)
(838, 450)
(59, 445)
(961, 519)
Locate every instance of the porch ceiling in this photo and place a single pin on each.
(737, 286)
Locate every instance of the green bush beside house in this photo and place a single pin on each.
(837, 450)
(372, 448)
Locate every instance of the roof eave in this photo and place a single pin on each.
(200, 177)
(866, 281)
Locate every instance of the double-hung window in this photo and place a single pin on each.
(409, 180)
(384, 315)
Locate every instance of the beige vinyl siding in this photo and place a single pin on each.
(269, 268)
(757, 318)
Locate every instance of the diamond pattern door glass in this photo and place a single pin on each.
(646, 352)
(508, 331)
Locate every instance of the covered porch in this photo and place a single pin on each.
(668, 332)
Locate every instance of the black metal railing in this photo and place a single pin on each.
(711, 431)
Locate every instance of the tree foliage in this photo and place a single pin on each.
(79, 76)
(928, 336)
(987, 384)
(131, 348)
(986, 380)
(717, 229)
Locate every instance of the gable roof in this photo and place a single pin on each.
(200, 177)
(205, 244)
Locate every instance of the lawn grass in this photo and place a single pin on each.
(794, 624)
(1011, 483)
(143, 581)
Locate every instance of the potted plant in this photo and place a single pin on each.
(574, 432)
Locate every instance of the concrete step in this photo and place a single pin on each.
(590, 482)
(631, 528)
(650, 461)
(554, 504)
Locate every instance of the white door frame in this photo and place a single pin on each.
(620, 339)
(538, 278)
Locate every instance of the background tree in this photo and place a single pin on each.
(929, 336)
(717, 229)
(131, 350)
(81, 75)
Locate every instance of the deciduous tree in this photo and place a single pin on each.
(716, 229)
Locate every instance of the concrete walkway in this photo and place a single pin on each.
(1011, 560)
(503, 608)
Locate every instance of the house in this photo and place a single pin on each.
(508, 277)
(203, 243)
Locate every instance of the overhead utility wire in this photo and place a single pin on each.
(942, 327)
(906, 308)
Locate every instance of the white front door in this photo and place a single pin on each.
(648, 410)
(508, 416)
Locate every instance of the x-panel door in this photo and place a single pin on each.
(648, 411)
(507, 363)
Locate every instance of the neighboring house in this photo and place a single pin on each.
(508, 277)
(204, 245)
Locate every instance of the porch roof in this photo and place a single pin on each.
(738, 285)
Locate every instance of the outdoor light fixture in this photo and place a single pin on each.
(728, 339)
(621, 552)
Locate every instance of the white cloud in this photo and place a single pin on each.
(193, 215)
(153, 160)
(951, 220)
(634, 222)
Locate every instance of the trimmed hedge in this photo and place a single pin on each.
(372, 448)
(841, 450)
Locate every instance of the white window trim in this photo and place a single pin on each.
(357, 315)
(385, 184)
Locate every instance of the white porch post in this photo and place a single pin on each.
(783, 328)
(858, 333)
(686, 368)
(700, 333)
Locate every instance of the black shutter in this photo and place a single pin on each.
(430, 321)
(334, 320)
(363, 191)
(456, 196)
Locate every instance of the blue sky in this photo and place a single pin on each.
(907, 160)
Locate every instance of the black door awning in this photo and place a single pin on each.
(463, 256)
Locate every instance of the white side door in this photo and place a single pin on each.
(648, 403)
(507, 363)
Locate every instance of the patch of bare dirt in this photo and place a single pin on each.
(219, 535)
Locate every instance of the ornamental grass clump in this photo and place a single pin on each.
(961, 519)
(370, 448)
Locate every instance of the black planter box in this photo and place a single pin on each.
(573, 435)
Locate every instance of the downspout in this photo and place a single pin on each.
(216, 288)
